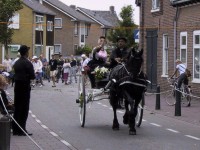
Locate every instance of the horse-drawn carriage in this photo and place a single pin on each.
(125, 81)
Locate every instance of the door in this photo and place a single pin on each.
(151, 39)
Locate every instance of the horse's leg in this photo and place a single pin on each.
(114, 103)
(131, 118)
(126, 114)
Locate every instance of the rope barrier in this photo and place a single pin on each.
(18, 124)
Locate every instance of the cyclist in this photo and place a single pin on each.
(183, 77)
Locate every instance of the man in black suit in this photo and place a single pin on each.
(24, 73)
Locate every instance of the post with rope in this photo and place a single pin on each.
(158, 98)
(5, 127)
(178, 103)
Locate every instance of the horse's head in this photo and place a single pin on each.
(134, 61)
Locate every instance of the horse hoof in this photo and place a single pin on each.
(132, 132)
(116, 128)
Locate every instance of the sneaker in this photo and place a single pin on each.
(41, 85)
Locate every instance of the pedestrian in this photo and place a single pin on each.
(53, 69)
(59, 68)
(73, 69)
(66, 70)
(24, 73)
(8, 64)
(4, 101)
(119, 54)
(37, 65)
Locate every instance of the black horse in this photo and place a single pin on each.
(130, 85)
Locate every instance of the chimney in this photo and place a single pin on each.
(73, 6)
(112, 9)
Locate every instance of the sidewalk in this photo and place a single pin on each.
(188, 114)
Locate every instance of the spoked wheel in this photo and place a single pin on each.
(170, 98)
(140, 111)
(82, 99)
(185, 98)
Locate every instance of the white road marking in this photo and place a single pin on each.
(120, 111)
(33, 116)
(104, 105)
(65, 142)
(193, 137)
(53, 133)
(38, 120)
(144, 120)
(45, 127)
(111, 108)
(172, 130)
(98, 103)
(154, 124)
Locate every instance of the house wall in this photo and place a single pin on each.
(65, 35)
(24, 34)
(163, 21)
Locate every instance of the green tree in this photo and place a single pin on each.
(86, 50)
(125, 28)
(7, 10)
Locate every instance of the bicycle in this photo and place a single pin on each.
(185, 91)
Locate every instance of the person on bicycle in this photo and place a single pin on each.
(119, 53)
(180, 66)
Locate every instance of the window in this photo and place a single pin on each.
(183, 47)
(38, 50)
(165, 55)
(75, 28)
(196, 54)
(87, 28)
(57, 48)
(13, 48)
(58, 22)
(14, 21)
(39, 21)
(155, 5)
(49, 26)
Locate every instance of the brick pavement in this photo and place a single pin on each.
(188, 114)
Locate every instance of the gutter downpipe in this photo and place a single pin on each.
(175, 35)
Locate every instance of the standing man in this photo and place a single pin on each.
(53, 69)
(24, 73)
(119, 53)
(37, 65)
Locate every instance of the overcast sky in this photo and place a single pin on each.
(104, 5)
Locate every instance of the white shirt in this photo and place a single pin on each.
(8, 64)
(181, 68)
(66, 67)
(37, 66)
(84, 63)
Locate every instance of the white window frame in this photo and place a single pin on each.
(155, 5)
(165, 65)
(56, 25)
(49, 25)
(39, 23)
(14, 21)
(195, 46)
(76, 28)
(60, 50)
(182, 34)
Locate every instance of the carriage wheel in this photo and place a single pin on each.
(140, 111)
(82, 99)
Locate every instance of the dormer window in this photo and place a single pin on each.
(155, 5)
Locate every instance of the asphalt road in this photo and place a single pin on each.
(56, 109)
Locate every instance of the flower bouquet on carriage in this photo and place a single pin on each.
(101, 76)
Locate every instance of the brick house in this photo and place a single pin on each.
(170, 30)
(33, 26)
(75, 28)
(104, 21)
(71, 27)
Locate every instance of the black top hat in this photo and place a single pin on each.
(23, 49)
(121, 38)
